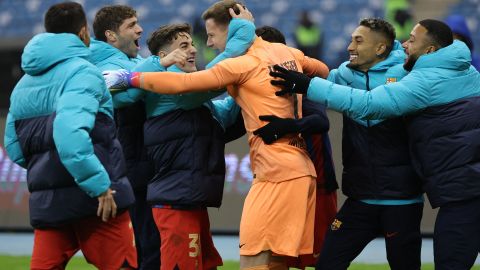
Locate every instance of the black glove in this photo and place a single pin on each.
(293, 81)
(276, 129)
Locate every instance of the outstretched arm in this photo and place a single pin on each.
(385, 101)
(411, 94)
(229, 72)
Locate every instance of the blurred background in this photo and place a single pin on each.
(321, 28)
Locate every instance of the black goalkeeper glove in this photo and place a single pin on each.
(276, 129)
(293, 81)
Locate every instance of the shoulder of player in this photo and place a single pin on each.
(241, 63)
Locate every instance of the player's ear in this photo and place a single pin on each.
(110, 36)
(381, 48)
(162, 54)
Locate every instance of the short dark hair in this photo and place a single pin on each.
(439, 32)
(219, 11)
(270, 34)
(67, 17)
(110, 18)
(383, 28)
(164, 36)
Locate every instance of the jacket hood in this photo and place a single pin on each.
(47, 49)
(459, 26)
(456, 56)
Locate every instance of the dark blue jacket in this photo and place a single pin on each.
(60, 127)
(187, 147)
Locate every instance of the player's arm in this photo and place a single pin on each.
(75, 118)
(315, 122)
(225, 111)
(385, 101)
(12, 146)
(125, 97)
(228, 72)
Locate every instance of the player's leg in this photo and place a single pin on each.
(403, 239)
(108, 245)
(210, 256)
(147, 236)
(277, 220)
(355, 225)
(180, 231)
(456, 237)
(53, 248)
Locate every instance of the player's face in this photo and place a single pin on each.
(127, 37)
(363, 49)
(184, 42)
(217, 35)
(415, 46)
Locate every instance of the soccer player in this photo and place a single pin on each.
(116, 45)
(186, 141)
(60, 128)
(440, 98)
(384, 194)
(284, 176)
(314, 129)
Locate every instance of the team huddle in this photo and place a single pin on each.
(125, 154)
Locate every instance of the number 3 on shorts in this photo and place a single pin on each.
(194, 241)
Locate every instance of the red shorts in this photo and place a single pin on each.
(106, 245)
(186, 239)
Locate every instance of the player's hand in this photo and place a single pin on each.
(176, 57)
(243, 14)
(107, 208)
(118, 79)
(292, 81)
(275, 129)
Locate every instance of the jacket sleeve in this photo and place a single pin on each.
(225, 111)
(314, 120)
(75, 118)
(385, 101)
(241, 34)
(12, 146)
(126, 97)
(333, 76)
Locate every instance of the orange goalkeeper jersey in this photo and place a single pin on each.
(248, 81)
